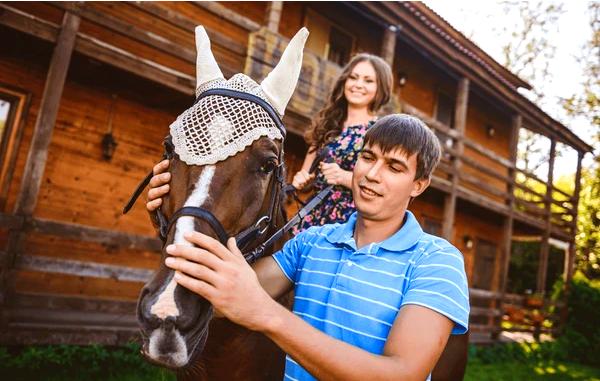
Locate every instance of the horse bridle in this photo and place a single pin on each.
(265, 222)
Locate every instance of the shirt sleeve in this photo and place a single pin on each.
(288, 258)
(439, 282)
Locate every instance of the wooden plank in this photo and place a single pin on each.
(229, 15)
(273, 15)
(489, 153)
(82, 269)
(40, 334)
(58, 302)
(153, 71)
(185, 23)
(93, 234)
(484, 185)
(477, 199)
(27, 23)
(125, 29)
(71, 317)
(430, 121)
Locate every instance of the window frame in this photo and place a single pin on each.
(10, 141)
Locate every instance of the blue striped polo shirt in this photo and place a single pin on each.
(354, 295)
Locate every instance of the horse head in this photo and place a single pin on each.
(226, 165)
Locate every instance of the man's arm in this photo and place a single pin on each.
(223, 277)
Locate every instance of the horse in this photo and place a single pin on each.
(226, 184)
(226, 160)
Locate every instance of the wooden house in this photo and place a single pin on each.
(88, 90)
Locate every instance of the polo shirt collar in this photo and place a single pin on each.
(403, 239)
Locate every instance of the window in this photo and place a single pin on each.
(328, 40)
(13, 106)
(340, 46)
(484, 264)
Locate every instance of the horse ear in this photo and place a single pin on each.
(279, 85)
(206, 65)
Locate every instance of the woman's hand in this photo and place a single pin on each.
(301, 179)
(334, 175)
(159, 185)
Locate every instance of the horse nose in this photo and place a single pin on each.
(147, 318)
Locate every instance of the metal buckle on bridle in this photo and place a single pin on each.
(266, 220)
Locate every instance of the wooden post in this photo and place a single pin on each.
(388, 46)
(571, 253)
(42, 134)
(273, 15)
(507, 227)
(517, 121)
(545, 246)
(460, 122)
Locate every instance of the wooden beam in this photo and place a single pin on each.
(44, 125)
(102, 51)
(460, 118)
(273, 15)
(36, 334)
(94, 234)
(183, 22)
(545, 245)
(81, 268)
(24, 22)
(228, 15)
(388, 45)
(78, 303)
(571, 253)
(40, 142)
(127, 61)
(126, 29)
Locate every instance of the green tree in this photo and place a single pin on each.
(586, 104)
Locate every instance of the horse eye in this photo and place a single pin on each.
(268, 167)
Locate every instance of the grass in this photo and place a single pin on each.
(532, 370)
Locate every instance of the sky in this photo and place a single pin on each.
(481, 20)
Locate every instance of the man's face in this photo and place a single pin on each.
(382, 184)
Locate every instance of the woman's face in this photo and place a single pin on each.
(361, 85)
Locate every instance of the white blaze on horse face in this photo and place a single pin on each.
(165, 303)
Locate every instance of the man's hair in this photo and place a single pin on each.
(409, 134)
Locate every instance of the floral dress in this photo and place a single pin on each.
(338, 207)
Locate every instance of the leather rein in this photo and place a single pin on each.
(264, 223)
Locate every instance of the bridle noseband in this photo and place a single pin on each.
(264, 223)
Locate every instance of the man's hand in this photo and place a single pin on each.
(159, 185)
(301, 179)
(223, 277)
(336, 175)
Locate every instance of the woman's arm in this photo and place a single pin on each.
(303, 177)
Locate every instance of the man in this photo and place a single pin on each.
(375, 298)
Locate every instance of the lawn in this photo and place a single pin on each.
(525, 371)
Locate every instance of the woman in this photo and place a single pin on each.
(336, 135)
(363, 87)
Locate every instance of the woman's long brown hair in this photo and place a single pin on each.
(328, 123)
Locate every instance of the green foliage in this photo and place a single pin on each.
(523, 267)
(588, 223)
(581, 338)
(69, 362)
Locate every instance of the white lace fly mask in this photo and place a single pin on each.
(219, 126)
(229, 115)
